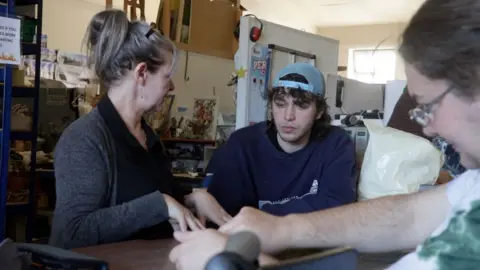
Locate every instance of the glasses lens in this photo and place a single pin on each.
(420, 116)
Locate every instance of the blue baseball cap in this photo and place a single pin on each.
(316, 81)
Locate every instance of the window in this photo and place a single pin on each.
(372, 66)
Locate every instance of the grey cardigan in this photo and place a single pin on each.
(86, 182)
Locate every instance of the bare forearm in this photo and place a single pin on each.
(365, 225)
(384, 224)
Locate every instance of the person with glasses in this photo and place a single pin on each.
(438, 228)
(113, 181)
(404, 111)
(422, 115)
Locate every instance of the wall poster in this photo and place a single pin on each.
(257, 77)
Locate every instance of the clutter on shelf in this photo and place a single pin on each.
(202, 125)
(17, 191)
(225, 127)
(21, 118)
(69, 68)
(159, 121)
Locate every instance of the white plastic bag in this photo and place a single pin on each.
(396, 162)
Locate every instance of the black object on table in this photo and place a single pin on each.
(338, 259)
(241, 253)
(49, 257)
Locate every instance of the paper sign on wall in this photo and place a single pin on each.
(257, 77)
(258, 69)
(9, 41)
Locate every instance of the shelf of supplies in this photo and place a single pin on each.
(27, 49)
(7, 7)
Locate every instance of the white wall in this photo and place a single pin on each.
(65, 23)
(366, 37)
(207, 74)
(279, 14)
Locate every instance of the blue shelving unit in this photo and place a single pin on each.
(7, 8)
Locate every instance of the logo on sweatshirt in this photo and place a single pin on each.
(314, 188)
(313, 191)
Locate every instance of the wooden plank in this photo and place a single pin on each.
(158, 22)
(179, 27)
(238, 16)
(108, 4)
(211, 28)
(166, 18)
(130, 7)
(141, 6)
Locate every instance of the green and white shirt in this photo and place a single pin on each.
(455, 244)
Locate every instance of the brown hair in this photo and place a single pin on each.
(442, 41)
(400, 119)
(115, 45)
(300, 96)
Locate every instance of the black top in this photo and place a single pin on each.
(141, 171)
(272, 136)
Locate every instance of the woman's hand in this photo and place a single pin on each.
(180, 217)
(196, 248)
(206, 206)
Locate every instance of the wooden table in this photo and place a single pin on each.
(148, 255)
(134, 255)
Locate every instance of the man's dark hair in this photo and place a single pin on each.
(321, 125)
(442, 41)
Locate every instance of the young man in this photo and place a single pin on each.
(441, 48)
(296, 163)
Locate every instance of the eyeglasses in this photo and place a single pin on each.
(175, 56)
(174, 64)
(423, 113)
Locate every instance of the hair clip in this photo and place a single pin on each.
(149, 33)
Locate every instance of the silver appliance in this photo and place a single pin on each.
(360, 138)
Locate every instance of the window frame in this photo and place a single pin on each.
(352, 66)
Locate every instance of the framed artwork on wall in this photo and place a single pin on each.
(204, 118)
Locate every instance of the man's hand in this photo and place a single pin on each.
(443, 177)
(273, 231)
(196, 248)
(207, 206)
(180, 217)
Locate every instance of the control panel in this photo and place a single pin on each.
(360, 137)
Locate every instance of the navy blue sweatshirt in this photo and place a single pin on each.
(250, 171)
